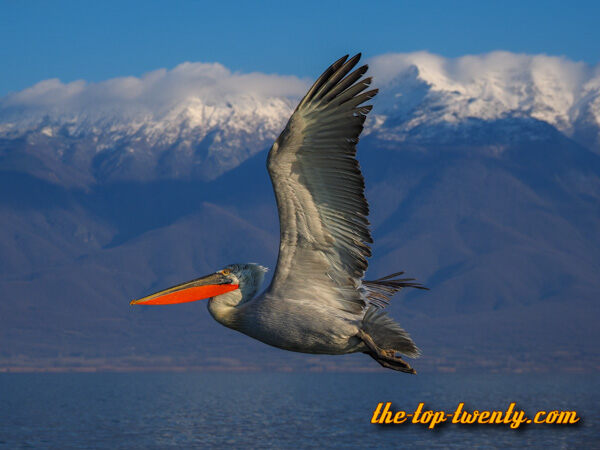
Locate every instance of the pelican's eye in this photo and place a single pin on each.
(225, 271)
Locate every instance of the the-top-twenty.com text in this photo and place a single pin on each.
(511, 416)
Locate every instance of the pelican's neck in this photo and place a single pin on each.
(227, 308)
(224, 308)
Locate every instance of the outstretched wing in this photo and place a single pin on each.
(319, 188)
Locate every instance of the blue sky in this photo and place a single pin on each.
(94, 41)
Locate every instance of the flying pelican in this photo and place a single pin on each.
(317, 301)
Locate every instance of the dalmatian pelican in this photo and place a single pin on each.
(317, 301)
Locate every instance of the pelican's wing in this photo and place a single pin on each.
(319, 188)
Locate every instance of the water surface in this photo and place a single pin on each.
(318, 410)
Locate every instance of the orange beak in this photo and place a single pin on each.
(199, 289)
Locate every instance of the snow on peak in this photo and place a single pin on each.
(426, 88)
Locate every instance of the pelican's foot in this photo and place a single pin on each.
(395, 363)
(386, 358)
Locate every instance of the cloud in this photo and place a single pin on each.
(154, 92)
(499, 68)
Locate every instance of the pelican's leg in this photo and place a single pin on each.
(387, 358)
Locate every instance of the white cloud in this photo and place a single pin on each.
(155, 92)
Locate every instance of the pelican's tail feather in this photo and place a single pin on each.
(387, 334)
(379, 292)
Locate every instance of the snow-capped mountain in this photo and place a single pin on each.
(427, 97)
(200, 120)
(196, 120)
(482, 175)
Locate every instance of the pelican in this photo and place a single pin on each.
(317, 301)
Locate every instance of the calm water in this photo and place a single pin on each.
(169, 410)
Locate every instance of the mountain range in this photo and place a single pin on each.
(482, 172)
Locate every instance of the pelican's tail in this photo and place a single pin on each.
(387, 334)
(384, 338)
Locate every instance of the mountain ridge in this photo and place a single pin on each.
(200, 120)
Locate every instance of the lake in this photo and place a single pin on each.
(284, 410)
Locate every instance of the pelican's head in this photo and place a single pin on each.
(249, 277)
(245, 278)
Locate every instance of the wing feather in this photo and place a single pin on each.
(319, 189)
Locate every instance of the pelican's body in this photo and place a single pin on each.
(317, 301)
(299, 327)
